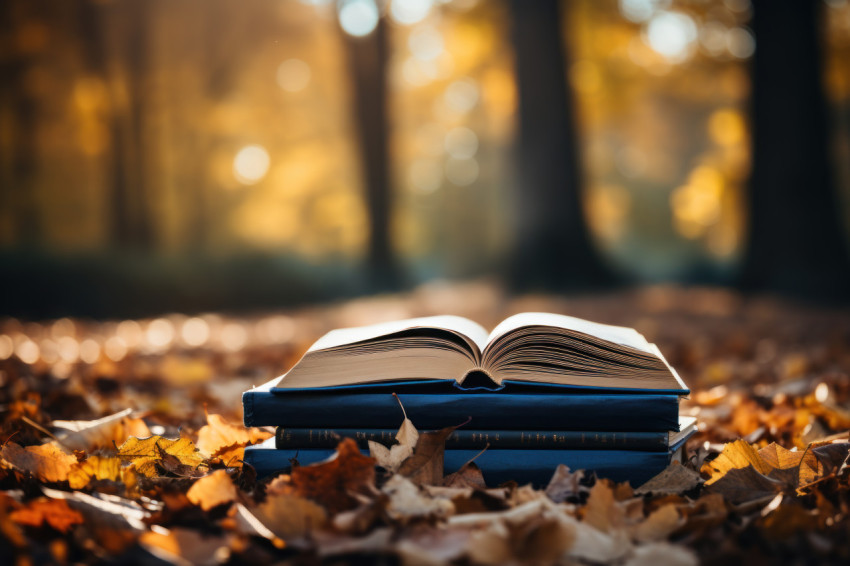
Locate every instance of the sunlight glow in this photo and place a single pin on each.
(461, 143)
(672, 35)
(425, 43)
(408, 12)
(195, 332)
(293, 75)
(251, 164)
(7, 347)
(89, 351)
(462, 95)
(358, 17)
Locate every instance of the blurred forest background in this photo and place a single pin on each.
(190, 155)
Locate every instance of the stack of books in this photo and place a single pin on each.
(539, 390)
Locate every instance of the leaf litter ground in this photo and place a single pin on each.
(122, 442)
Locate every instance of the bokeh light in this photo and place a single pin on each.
(251, 164)
(358, 17)
(293, 75)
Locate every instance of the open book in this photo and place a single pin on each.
(527, 347)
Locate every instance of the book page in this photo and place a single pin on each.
(459, 325)
(616, 334)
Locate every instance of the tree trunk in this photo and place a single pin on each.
(554, 249)
(368, 63)
(796, 243)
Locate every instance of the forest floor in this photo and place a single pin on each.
(121, 442)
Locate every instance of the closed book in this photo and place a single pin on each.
(463, 438)
(526, 407)
(498, 466)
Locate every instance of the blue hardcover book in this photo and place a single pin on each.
(464, 438)
(498, 466)
(437, 405)
(533, 371)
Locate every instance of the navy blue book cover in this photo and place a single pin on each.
(439, 404)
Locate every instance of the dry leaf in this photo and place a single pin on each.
(88, 435)
(282, 516)
(660, 524)
(181, 546)
(332, 483)
(675, 479)
(566, 485)
(145, 453)
(735, 455)
(212, 490)
(469, 475)
(425, 466)
(662, 553)
(407, 503)
(94, 468)
(46, 462)
(391, 458)
(602, 511)
(54, 512)
(222, 439)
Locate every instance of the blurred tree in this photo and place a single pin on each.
(796, 243)
(24, 33)
(368, 63)
(554, 248)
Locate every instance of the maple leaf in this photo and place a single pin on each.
(46, 461)
(212, 490)
(145, 453)
(392, 458)
(54, 512)
(741, 473)
(281, 516)
(333, 482)
(221, 439)
(425, 466)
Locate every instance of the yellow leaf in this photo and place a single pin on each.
(95, 467)
(146, 452)
(735, 455)
(219, 436)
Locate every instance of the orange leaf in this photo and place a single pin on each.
(47, 462)
(95, 467)
(212, 490)
(54, 512)
(219, 436)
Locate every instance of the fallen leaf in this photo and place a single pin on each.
(332, 483)
(221, 439)
(145, 453)
(88, 435)
(54, 512)
(674, 479)
(431, 546)
(284, 516)
(662, 553)
(566, 485)
(407, 502)
(212, 490)
(469, 475)
(735, 455)
(181, 546)
(46, 462)
(821, 460)
(602, 511)
(425, 466)
(407, 437)
(94, 468)
(659, 525)
(103, 511)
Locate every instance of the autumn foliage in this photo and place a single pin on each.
(119, 461)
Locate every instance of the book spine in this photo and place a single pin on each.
(487, 411)
(498, 466)
(286, 437)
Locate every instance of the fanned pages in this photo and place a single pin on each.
(528, 347)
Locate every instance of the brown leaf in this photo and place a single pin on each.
(222, 439)
(425, 466)
(54, 512)
(212, 490)
(469, 475)
(566, 485)
(181, 546)
(46, 462)
(659, 525)
(675, 479)
(332, 483)
(822, 459)
(602, 511)
(282, 516)
(89, 435)
(145, 453)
